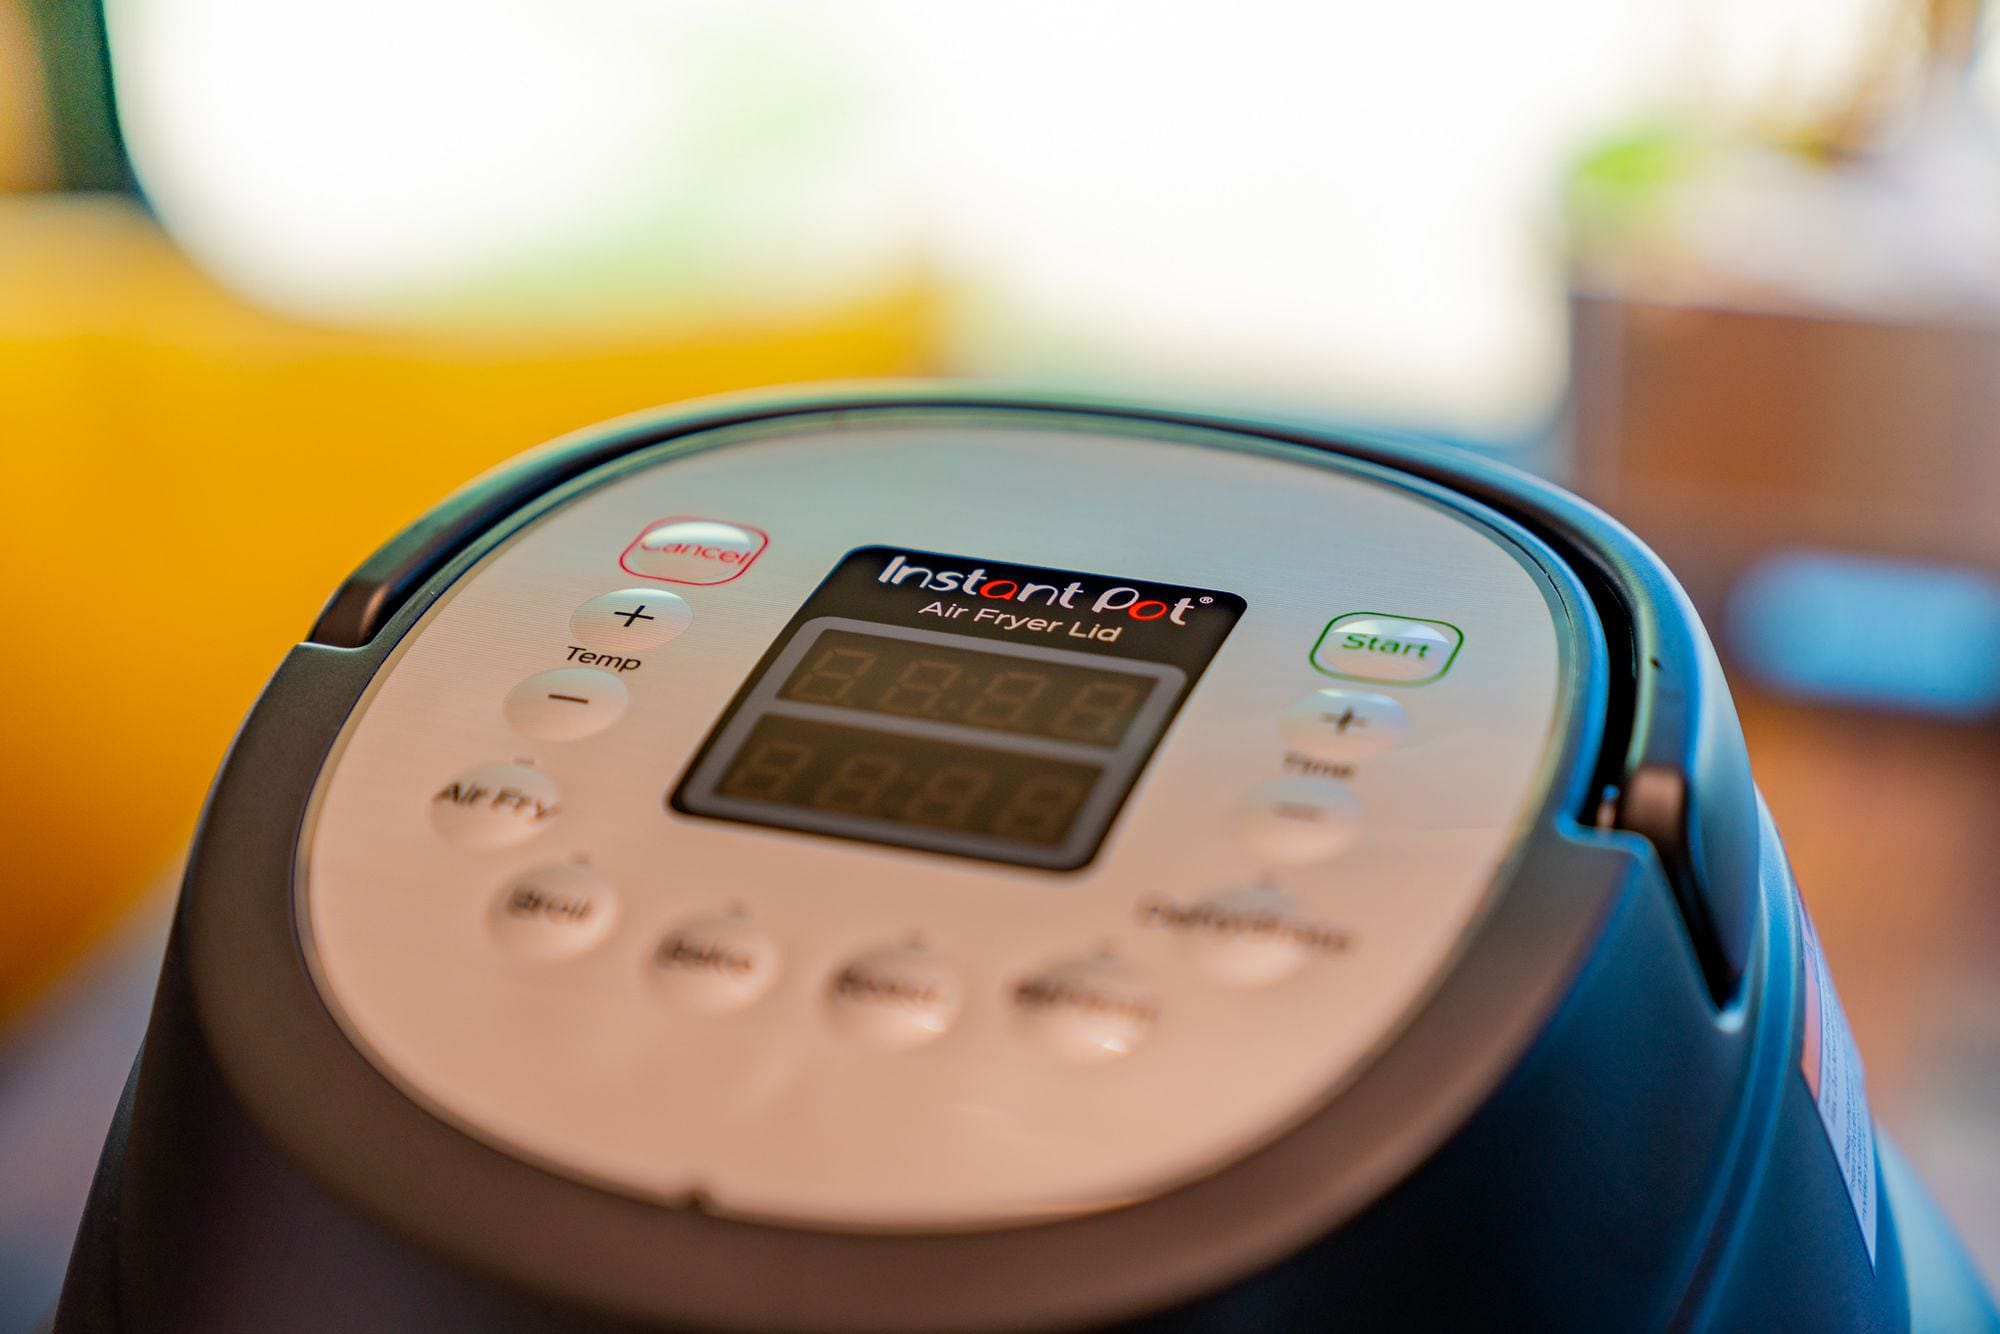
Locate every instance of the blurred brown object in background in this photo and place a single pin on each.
(27, 151)
(1722, 436)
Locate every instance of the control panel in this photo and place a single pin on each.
(893, 820)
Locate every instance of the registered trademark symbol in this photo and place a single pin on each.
(1208, 599)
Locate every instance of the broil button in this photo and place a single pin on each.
(555, 912)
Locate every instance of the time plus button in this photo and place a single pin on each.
(1338, 725)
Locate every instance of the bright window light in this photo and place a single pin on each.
(1345, 205)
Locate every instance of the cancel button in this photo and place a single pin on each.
(1397, 650)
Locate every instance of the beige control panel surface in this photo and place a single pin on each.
(800, 1020)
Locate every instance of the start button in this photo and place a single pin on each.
(693, 551)
(1398, 650)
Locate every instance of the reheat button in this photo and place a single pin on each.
(693, 551)
(1086, 1010)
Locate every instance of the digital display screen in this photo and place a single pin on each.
(970, 687)
(908, 780)
(957, 705)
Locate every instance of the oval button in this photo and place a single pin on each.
(554, 912)
(1343, 725)
(631, 620)
(716, 964)
(694, 551)
(1395, 650)
(1246, 937)
(898, 997)
(566, 704)
(494, 806)
(1298, 821)
(1087, 1009)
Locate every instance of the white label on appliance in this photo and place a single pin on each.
(1832, 1067)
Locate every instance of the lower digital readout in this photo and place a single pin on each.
(908, 780)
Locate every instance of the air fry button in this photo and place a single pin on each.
(1394, 650)
(494, 806)
(693, 551)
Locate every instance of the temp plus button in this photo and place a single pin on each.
(1395, 650)
(631, 620)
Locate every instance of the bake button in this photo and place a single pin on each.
(897, 997)
(554, 912)
(1395, 650)
(566, 704)
(1249, 937)
(494, 806)
(631, 620)
(1335, 724)
(1300, 820)
(716, 964)
(1087, 1009)
(693, 551)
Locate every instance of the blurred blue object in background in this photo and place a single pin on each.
(1855, 629)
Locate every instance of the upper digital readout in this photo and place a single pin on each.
(959, 705)
(969, 687)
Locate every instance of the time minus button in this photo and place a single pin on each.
(1299, 820)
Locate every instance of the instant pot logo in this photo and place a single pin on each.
(1074, 595)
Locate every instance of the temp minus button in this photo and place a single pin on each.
(566, 704)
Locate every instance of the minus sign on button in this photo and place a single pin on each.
(573, 699)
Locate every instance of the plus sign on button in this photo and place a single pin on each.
(631, 620)
(1340, 725)
(693, 551)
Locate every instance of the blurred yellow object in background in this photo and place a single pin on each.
(184, 479)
